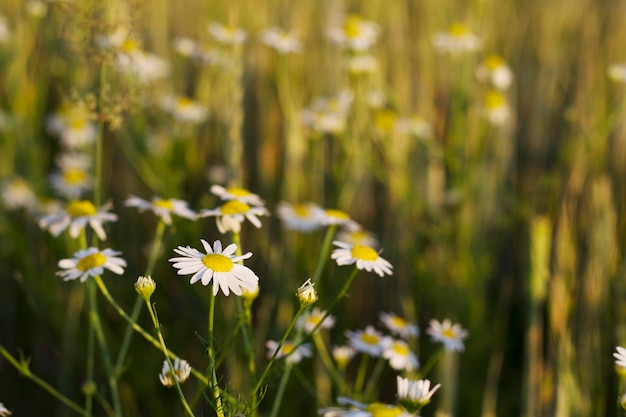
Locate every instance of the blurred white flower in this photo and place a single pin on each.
(180, 373)
(451, 335)
(282, 41)
(227, 35)
(495, 71)
(458, 39)
(497, 110)
(369, 341)
(354, 33)
(294, 354)
(184, 109)
(18, 194)
(163, 208)
(304, 217)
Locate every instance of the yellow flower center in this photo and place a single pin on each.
(75, 176)
(458, 29)
(234, 207)
(385, 120)
(370, 339)
(217, 262)
(287, 348)
(314, 320)
(91, 261)
(130, 45)
(338, 214)
(77, 123)
(398, 322)
(238, 192)
(400, 349)
(493, 61)
(184, 102)
(383, 410)
(164, 204)
(449, 333)
(352, 27)
(365, 253)
(494, 99)
(81, 208)
(301, 210)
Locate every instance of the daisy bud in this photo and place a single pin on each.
(621, 401)
(145, 286)
(250, 295)
(306, 293)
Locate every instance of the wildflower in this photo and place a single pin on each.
(415, 394)
(184, 109)
(145, 286)
(362, 64)
(36, 8)
(416, 126)
(370, 341)
(236, 193)
(355, 33)
(398, 325)
(76, 216)
(617, 73)
(328, 115)
(301, 217)
(217, 265)
(313, 320)
(4, 411)
(495, 71)
(180, 373)
(306, 293)
(294, 354)
(5, 32)
(227, 35)
(497, 109)
(17, 194)
(364, 256)
(357, 409)
(357, 236)
(458, 39)
(620, 357)
(451, 335)
(91, 262)
(162, 208)
(282, 41)
(233, 213)
(73, 178)
(342, 355)
(251, 294)
(399, 355)
(73, 124)
(334, 217)
(185, 46)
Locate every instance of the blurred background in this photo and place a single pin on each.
(483, 142)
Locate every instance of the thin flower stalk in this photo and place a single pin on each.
(219, 409)
(330, 232)
(22, 367)
(243, 309)
(375, 377)
(328, 363)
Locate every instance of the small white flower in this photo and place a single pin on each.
(180, 373)
(306, 293)
(5, 32)
(398, 325)
(311, 320)
(369, 341)
(185, 46)
(282, 41)
(495, 71)
(342, 355)
(184, 109)
(237, 193)
(362, 64)
(215, 265)
(4, 412)
(232, 214)
(358, 409)
(77, 215)
(163, 208)
(416, 126)
(328, 115)
(73, 177)
(497, 110)
(17, 194)
(354, 33)
(334, 217)
(414, 394)
(301, 217)
(399, 355)
(294, 354)
(617, 73)
(620, 357)
(36, 8)
(91, 262)
(451, 335)
(227, 35)
(365, 258)
(458, 39)
(357, 237)
(73, 124)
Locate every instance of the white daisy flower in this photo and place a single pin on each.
(163, 208)
(370, 341)
(36, 8)
(451, 335)
(5, 32)
(334, 217)
(342, 355)
(416, 126)
(4, 412)
(294, 354)
(306, 293)
(398, 325)
(312, 319)
(73, 124)
(497, 110)
(180, 373)
(73, 178)
(355, 33)
(328, 114)
(232, 214)
(494, 70)
(185, 46)
(77, 215)
(145, 67)
(282, 41)
(358, 237)
(237, 193)
(91, 262)
(415, 394)
(227, 35)
(362, 64)
(458, 39)
(620, 357)
(365, 258)
(17, 194)
(399, 355)
(184, 109)
(301, 217)
(357, 409)
(215, 265)
(617, 73)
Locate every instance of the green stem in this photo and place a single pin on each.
(330, 232)
(360, 376)
(328, 363)
(375, 377)
(281, 389)
(214, 386)
(128, 333)
(22, 367)
(105, 292)
(432, 360)
(106, 357)
(157, 328)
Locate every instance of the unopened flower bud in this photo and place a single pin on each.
(145, 286)
(306, 293)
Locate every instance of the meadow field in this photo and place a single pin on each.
(315, 207)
